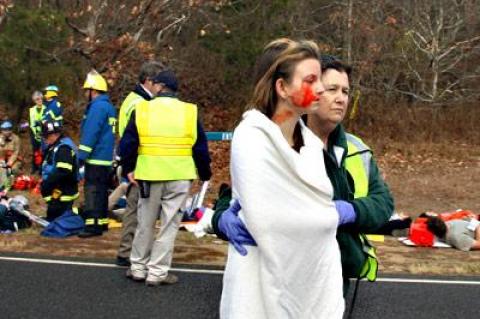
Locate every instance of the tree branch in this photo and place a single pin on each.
(50, 55)
(182, 18)
(456, 45)
(76, 28)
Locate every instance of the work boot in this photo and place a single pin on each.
(123, 261)
(153, 281)
(135, 275)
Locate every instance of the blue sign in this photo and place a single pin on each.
(219, 136)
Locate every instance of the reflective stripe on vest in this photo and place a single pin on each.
(370, 267)
(126, 109)
(96, 221)
(55, 117)
(63, 198)
(167, 130)
(357, 164)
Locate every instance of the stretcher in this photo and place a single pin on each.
(436, 243)
(197, 219)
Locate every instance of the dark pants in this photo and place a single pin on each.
(36, 147)
(96, 197)
(56, 208)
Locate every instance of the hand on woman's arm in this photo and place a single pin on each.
(233, 228)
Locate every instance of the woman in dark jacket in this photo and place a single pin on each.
(371, 204)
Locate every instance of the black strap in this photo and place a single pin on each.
(352, 305)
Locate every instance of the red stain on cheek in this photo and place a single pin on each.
(304, 97)
(279, 118)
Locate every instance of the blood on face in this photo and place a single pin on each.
(305, 97)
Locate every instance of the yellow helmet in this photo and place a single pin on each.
(95, 81)
(50, 91)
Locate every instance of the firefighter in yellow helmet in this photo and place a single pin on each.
(96, 153)
(53, 108)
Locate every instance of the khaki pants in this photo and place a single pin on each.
(153, 256)
(116, 195)
(129, 222)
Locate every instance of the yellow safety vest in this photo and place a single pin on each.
(35, 117)
(126, 109)
(357, 164)
(167, 130)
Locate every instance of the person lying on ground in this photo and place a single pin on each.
(463, 234)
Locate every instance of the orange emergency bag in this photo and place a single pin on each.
(23, 182)
(458, 214)
(37, 157)
(419, 234)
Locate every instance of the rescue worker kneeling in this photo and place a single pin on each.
(59, 170)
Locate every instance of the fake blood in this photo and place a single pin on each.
(282, 117)
(304, 97)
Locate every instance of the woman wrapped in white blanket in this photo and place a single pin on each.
(286, 198)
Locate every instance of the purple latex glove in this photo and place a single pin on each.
(234, 229)
(346, 212)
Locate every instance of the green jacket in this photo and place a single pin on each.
(372, 211)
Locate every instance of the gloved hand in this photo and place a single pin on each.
(346, 212)
(234, 229)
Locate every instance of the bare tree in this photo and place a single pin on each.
(116, 37)
(435, 52)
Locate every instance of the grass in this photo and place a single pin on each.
(427, 176)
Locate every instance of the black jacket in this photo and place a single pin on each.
(63, 178)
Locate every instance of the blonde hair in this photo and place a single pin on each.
(278, 60)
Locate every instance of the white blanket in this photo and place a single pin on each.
(286, 200)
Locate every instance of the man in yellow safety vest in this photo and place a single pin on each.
(162, 149)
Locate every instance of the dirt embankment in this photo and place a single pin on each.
(433, 177)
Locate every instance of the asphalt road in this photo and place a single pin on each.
(33, 289)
